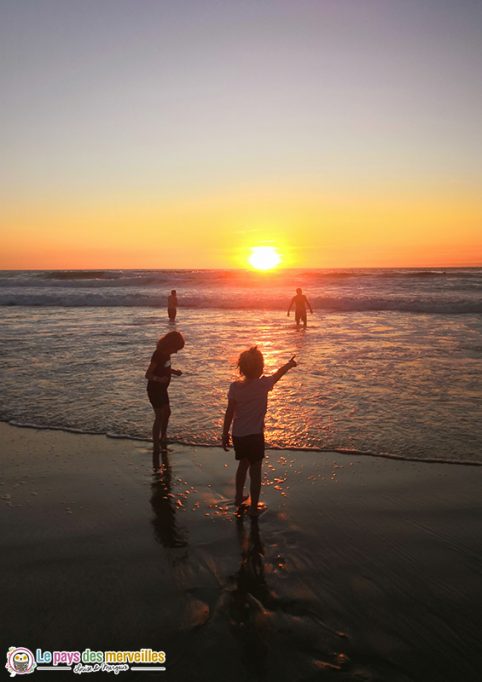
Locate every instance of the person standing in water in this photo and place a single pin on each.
(300, 302)
(172, 305)
(158, 377)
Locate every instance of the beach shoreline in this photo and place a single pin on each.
(274, 448)
(361, 568)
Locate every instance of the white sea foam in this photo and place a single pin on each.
(210, 301)
(274, 448)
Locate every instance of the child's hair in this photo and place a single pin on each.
(251, 363)
(173, 292)
(171, 341)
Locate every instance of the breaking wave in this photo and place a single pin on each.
(233, 301)
(454, 291)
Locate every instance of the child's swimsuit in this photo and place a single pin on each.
(158, 395)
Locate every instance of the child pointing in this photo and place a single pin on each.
(247, 405)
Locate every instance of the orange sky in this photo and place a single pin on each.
(153, 135)
(310, 229)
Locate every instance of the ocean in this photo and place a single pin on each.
(390, 363)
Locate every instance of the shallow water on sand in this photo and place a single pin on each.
(383, 382)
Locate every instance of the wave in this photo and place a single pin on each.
(147, 278)
(418, 291)
(223, 273)
(85, 280)
(187, 443)
(78, 274)
(229, 300)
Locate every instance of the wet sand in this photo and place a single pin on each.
(359, 569)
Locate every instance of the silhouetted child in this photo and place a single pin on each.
(247, 404)
(158, 375)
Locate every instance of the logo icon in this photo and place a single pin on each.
(20, 661)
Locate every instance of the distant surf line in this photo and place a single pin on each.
(209, 302)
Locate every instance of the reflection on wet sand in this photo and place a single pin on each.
(281, 637)
(165, 525)
(251, 597)
(241, 604)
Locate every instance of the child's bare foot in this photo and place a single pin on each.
(255, 512)
(240, 502)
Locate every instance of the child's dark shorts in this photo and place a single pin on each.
(249, 447)
(158, 395)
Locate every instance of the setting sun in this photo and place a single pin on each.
(264, 257)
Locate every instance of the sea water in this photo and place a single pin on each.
(390, 363)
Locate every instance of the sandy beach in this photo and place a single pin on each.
(360, 568)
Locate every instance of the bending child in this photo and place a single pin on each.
(158, 377)
(247, 404)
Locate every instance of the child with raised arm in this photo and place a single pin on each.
(247, 404)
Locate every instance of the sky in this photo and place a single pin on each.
(181, 133)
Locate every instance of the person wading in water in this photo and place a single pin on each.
(300, 302)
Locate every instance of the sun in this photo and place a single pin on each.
(264, 257)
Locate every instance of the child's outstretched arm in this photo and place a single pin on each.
(228, 418)
(282, 370)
